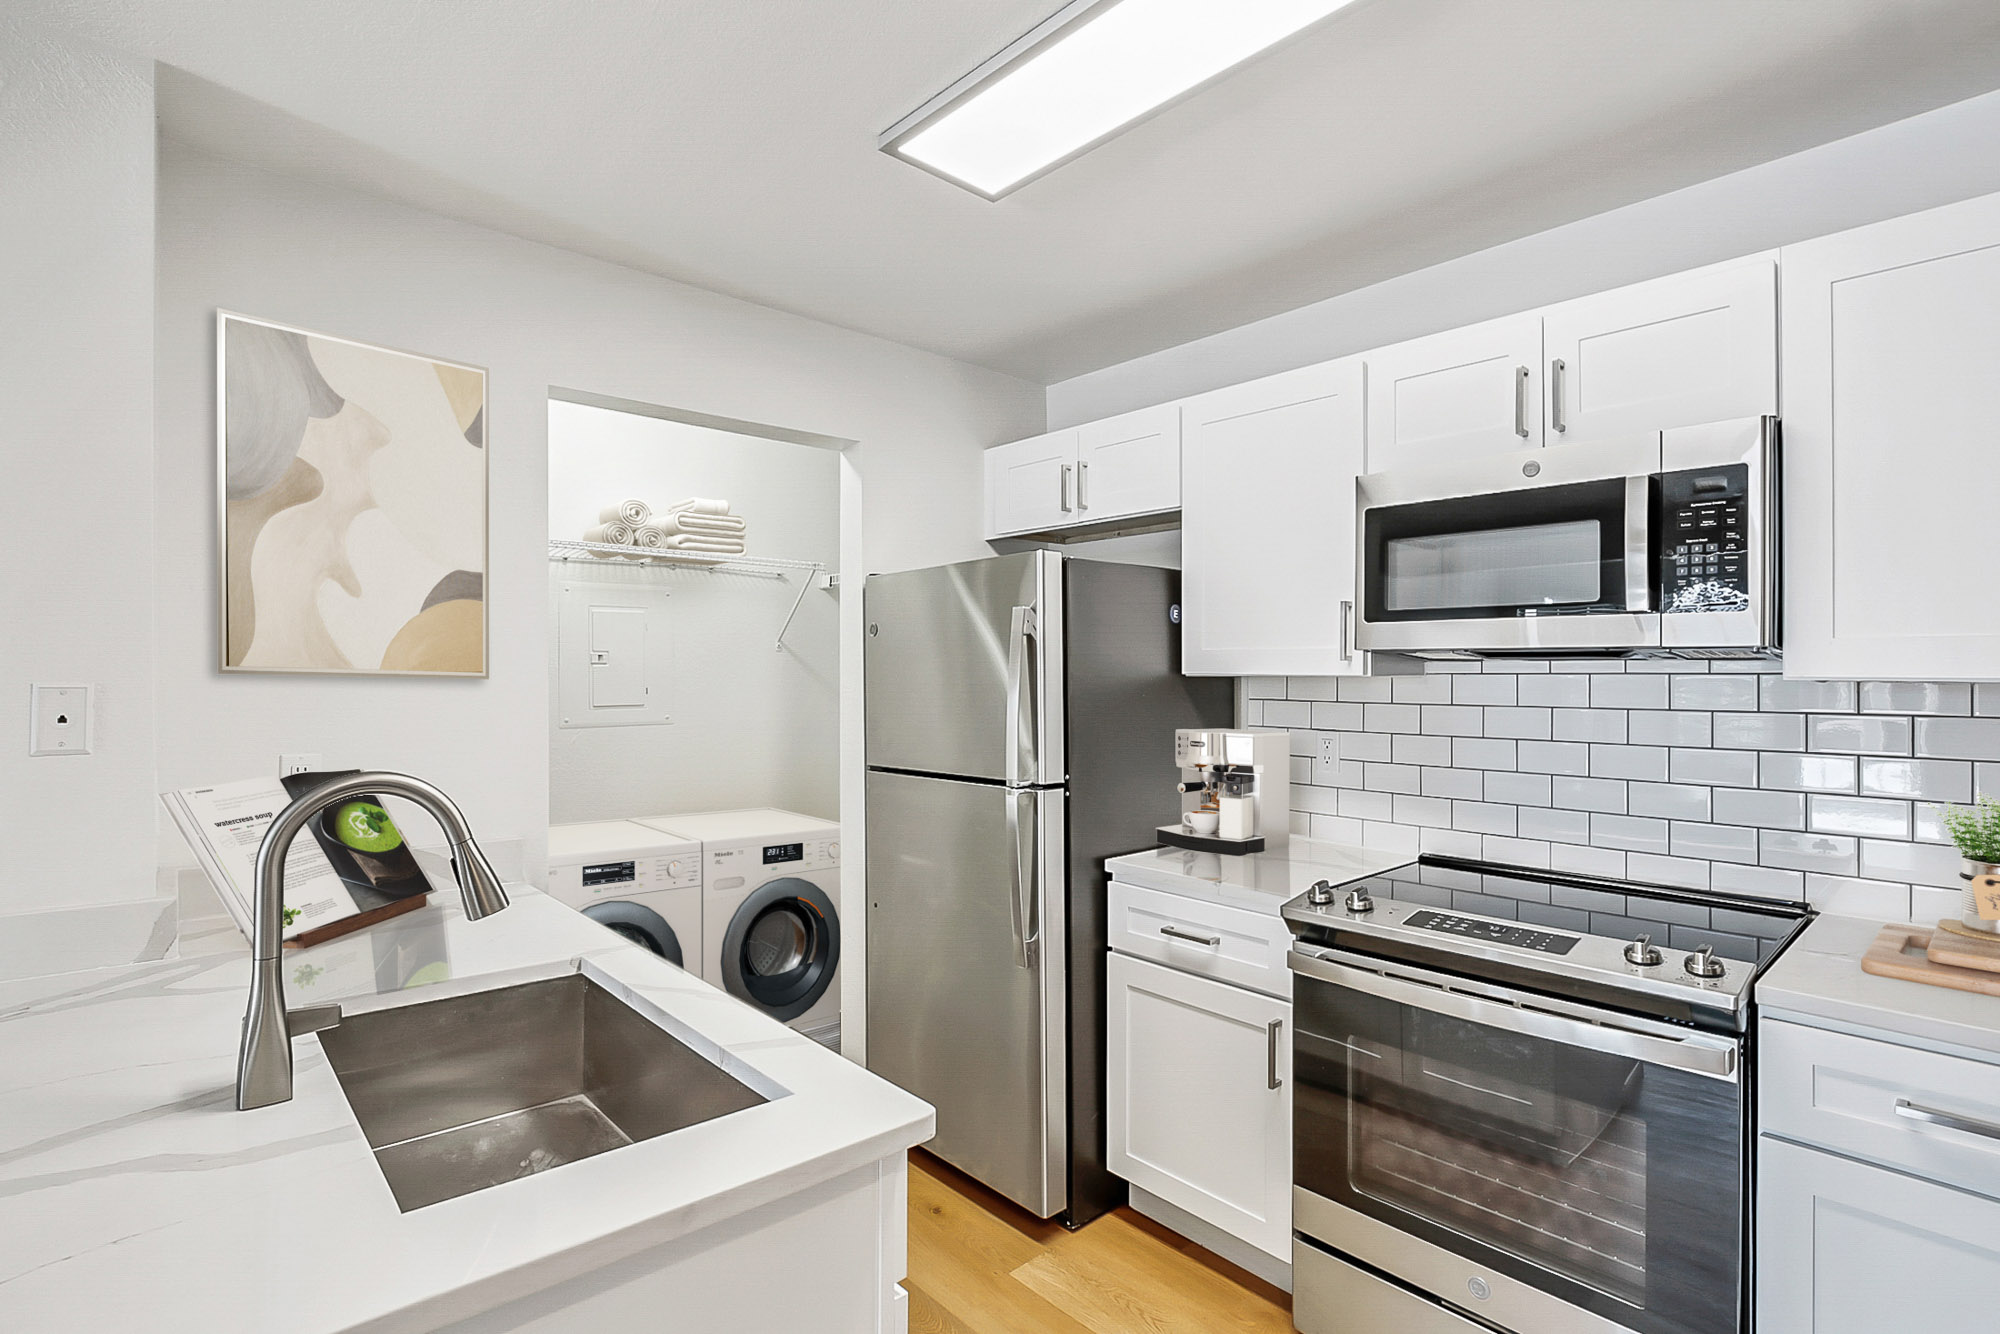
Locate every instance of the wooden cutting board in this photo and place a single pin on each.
(1902, 952)
(1956, 946)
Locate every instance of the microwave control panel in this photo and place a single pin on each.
(1704, 529)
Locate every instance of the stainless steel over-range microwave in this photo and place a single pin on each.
(1663, 546)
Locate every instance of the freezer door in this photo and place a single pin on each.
(964, 669)
(966, 948)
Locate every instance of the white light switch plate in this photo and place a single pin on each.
(59, 720)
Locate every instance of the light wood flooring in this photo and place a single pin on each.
(979, 1265)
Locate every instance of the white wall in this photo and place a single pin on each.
(751, 725)
(1941, 156)
(76, 513)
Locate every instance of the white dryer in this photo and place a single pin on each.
(770, 911)
(638, 881)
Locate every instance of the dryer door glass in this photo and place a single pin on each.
(640, 925)
(782, 947)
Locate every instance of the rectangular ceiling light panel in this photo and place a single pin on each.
(1090, 71)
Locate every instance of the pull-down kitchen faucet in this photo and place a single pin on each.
(264, 1068)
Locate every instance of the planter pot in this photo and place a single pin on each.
(1971, 872)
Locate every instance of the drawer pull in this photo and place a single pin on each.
(1949, 1120)
(1192, 937)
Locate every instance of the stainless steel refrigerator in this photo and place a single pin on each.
(1020, 718)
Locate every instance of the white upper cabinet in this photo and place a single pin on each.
(1891, 339)
(1462, 393)
(1129, 465)
(1678, 351)
(1031, 485)
(1267, 524)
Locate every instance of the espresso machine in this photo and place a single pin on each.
(1235, 788)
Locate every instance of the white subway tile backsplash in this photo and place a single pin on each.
(1714, 692)
(1759, 731)
(1868, 817)
(1929, 780)
(1937, 697)
(1750, 806)
(1559, 690)
(1852, 734)
(1628, 692)
(1806, 773)
(1721, 776)
(1684, 727)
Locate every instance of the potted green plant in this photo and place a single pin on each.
(1976, 831)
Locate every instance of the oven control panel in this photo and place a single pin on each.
(1498, 933)
(1704, 526)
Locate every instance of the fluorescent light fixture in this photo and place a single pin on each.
(1090, 70)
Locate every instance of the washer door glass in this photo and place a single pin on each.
(782, 947)
(640, 925)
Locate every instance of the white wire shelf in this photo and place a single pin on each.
(630, 557)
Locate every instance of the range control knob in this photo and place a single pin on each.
(1703, 963)
(1359, 901)
(1642, 953)
(1320, 893)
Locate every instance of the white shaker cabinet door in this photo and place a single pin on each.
(1031, 485)
(1129, 465)
(1199, 1098)
(1460, 394)
(1678, 351)
(1845, 1248)
(1267, 524)
(1891, 352)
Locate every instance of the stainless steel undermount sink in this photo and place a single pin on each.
(467, 1092)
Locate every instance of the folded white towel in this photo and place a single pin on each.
(631, 513)
(699, 505)
(721, 525)
(707, 545)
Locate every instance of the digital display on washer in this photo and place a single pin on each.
(784, 852)
(610, 873)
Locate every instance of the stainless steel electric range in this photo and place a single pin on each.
(1521, 1102)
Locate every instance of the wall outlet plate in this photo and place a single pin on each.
(59, 720)
(1326, 761)
(300, 762)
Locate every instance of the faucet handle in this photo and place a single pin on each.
(312, 1019)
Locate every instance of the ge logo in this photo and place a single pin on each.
(1174, 613)
(1478, 1288)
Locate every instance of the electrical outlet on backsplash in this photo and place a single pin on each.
(1721, 776)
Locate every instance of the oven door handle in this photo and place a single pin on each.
(1696, 1053)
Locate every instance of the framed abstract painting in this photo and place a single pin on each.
(352, 485)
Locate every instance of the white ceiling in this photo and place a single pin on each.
(730, 143)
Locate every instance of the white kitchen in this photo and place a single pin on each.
(1135, 665)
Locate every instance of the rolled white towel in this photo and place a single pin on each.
(698, 505)
(650, 534)
(610, 533)
(723, 525)
(631, 513)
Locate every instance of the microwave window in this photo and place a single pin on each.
(1539, 565)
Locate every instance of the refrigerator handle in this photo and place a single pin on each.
(1026, 865)
(1023, 632)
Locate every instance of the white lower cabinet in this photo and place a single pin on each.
(1199, 1098)
(1846, 1248)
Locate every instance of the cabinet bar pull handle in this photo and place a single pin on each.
(1346, 622)
(1065, 489)
(1557, 411)
(1271, 1053)
(1082, 485)
(1521, 401)
(1948, 1120)
(1178, 934)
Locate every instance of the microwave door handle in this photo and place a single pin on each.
(1711, 1057)
(1638, 544)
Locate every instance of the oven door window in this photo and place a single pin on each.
(1549, 551)
(1608, 1182)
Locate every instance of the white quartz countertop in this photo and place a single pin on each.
(1819, 976)
(1261, 881)
(133, 1196)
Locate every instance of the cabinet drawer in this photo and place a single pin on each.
(1935, 1115)
(1229, 944)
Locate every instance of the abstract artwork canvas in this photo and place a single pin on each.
(353, 490)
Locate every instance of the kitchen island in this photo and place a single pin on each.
(133, 1196)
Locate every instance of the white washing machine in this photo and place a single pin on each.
(638, 881)
(770, 911)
